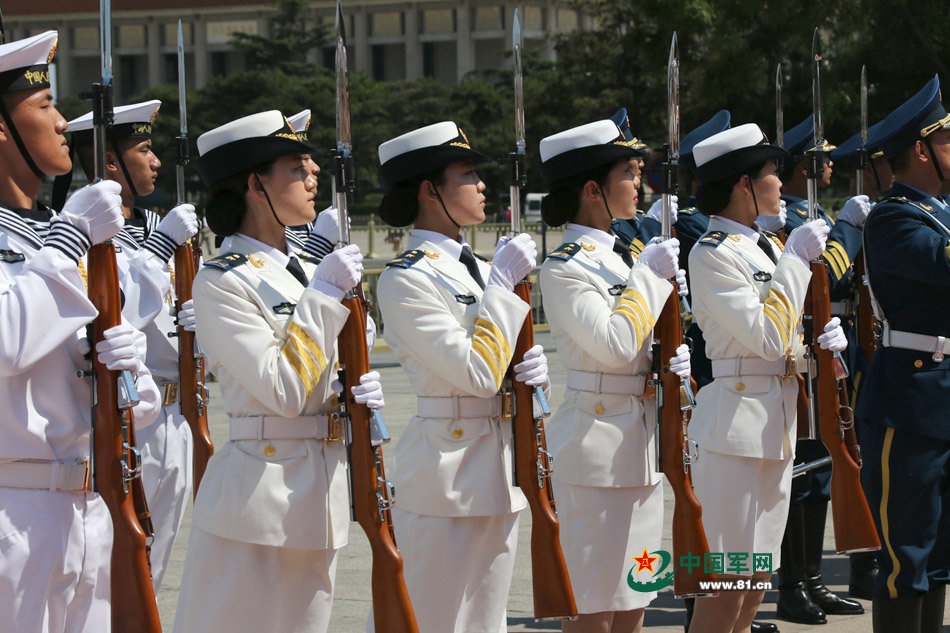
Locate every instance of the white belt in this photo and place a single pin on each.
(599, 382)
(272, 427)
(456, 407)
(838, 308)
(919, 342)
(40, 474)
(740, 366)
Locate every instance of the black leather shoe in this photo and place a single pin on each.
(795, 605)
(830, 602)
(932, 608)
(897, 615)
(763, 627)
(863, 572)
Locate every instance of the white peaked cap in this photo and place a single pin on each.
(23, 63)
(582, 148)
(300, 121)
(423, 150)
(134, 113)
(733, 151)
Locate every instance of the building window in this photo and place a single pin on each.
(128, 77)
(170, 71)
(438, 21)
(132, 36)
(329, 57)
(533, 19)
(219, 64)
(389, 23)
(428, 59)
(566, 20)
(170, 33)
(379, 62)
(489, 18)
(86, 38)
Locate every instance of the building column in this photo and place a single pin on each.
(363, 61)
(413, 46)
(465, 47)
(550, 28)
(153, 37)
(64, 62)
(199, 32)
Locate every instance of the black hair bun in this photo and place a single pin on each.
(400, 205)
(225, 212)
(560, 206)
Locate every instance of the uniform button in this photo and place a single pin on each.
(918, 363)
(457, 434)
(599, 409)
(269, 451)
(739, 386)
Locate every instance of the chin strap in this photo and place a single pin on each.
(754, 201)
(267, 197)
(933, 157)
(19, 141)
(125, 170)
(439, 196)
(877, 178)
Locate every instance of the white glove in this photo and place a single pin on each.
(855, 211)
(533, 369)
(679, 363)
(513, 261)
(96, 210)
(681, 282)
(339, 272)
(656, 209)
(369, 391)
(186, 316)
(833, 338)
(662, 257)
(180, 224)
(325, 233)
(808, 241)
(118, 350)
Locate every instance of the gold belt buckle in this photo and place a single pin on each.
(86, 478)
(171, 393)
(507, 410)
(791, 367)
(334, 428)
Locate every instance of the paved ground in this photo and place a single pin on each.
(352, 601)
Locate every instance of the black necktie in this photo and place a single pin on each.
(766, 247)
(294, 268)
(624, 251)
(468, 258)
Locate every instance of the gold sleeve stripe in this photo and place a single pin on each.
(838, 248)
(778, 242)
(649, 320)
(495, 332)
(641, 314)
(779, 324)
(299, 364)
(836, 256)
(833, 262)
(636, 247)
(635, 320)
(298, 332)
(484, 337)
(479, 346)
(785, 303)
(946, 250)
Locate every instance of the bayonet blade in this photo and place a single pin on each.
(816, 87)
(343, 138)
(673, 99)
(779, 109)
(517, 45)
(105, 40)
(864, 106)
(182, 105)
(3, 31)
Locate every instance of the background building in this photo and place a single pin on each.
(387, 40)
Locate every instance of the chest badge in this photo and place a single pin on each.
(284, 308)
(617, 290)
(466, 299)
(11, 257)
(762, 276)
(256, 262)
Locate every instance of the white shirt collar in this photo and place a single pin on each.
(739, 228)
(278, 256)
(601, 237)
(451, 247)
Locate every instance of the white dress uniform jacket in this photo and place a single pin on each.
(602, 315)
(272, 345)
(55, 543)
(452, 339)
(747, 307)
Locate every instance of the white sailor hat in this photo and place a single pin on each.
(301, 123)
(733, 151)
(582, 148)
(129, 121)
(423, 150)
(246, 142)
(24, 64)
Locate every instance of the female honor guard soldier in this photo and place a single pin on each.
(272, 511)
(55, 533)
(602, 307)
(166, 445)
(456, 517)
(747, 298)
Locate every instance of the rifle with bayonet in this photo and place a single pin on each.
(827, 372)
(865, 314)
(674, 395)
(117, 463)
(372, 494)
(551, 582)
(191, 369)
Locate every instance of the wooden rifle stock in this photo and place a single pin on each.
(392, 608)
(689, 536)
(553, 594)
(854, 526)
(191, 370)
(134, 609)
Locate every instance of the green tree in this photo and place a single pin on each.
(293, 33)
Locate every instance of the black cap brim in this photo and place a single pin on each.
(577, 161)
(423, 160)
(737, 162)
